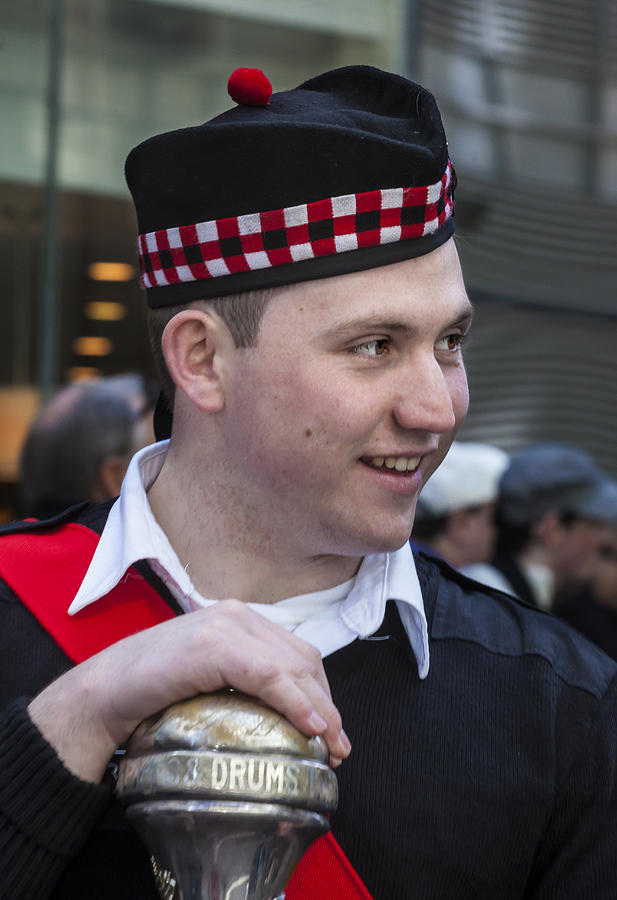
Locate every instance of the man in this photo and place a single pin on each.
(305, 421)
(455, 516)
(556, 509)
(81, 442)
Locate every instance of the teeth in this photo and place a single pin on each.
(398, 463)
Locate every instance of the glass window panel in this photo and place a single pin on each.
(473, 144)
(551, 161)
(451, 74)
(23, 86)
(549, 98)
(607, 173)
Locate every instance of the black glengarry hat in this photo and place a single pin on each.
(346, 172)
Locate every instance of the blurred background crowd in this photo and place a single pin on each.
(528, 92)
(540, 524)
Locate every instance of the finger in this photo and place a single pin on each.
(296, 694)
(280, 639)
(290, 677)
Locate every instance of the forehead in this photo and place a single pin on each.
(427, 291)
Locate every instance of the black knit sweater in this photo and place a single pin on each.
(495, 777)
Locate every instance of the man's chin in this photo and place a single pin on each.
(380, 536)
(385, 543)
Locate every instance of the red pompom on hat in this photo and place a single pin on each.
(249, 87)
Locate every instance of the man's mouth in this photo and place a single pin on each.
(395, 464)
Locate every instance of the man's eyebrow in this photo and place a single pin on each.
(370, 323)
(465, 315)
(376, 322)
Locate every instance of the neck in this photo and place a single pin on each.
(227, 551)
(533, 555)
(535, 565)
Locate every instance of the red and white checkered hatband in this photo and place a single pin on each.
(265, 239)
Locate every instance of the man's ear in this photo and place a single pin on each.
(549, 528)
(193, 345)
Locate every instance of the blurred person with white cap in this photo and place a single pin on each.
(456, 509)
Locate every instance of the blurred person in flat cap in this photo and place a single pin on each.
(455, 514)
(556, 509)
(308, 312)
(80, 444)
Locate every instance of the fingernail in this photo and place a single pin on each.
(345, 742)
(317, 724)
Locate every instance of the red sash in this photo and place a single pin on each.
(45, 570)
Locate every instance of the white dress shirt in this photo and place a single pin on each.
(329, 619)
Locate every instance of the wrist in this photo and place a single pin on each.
(66, 715)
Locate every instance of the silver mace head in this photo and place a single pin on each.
(227, 795)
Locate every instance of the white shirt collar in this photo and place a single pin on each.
(328, 619)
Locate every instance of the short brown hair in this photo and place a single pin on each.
(241, 313)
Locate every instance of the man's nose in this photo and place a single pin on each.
(424, 400)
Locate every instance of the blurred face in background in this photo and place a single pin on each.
(469, 535)
(143, 433)
(481, 533)
(600, 573)
(576, 546)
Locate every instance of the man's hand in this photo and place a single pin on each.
(93, 708)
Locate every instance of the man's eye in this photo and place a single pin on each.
(450, 342)
(376, 347)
